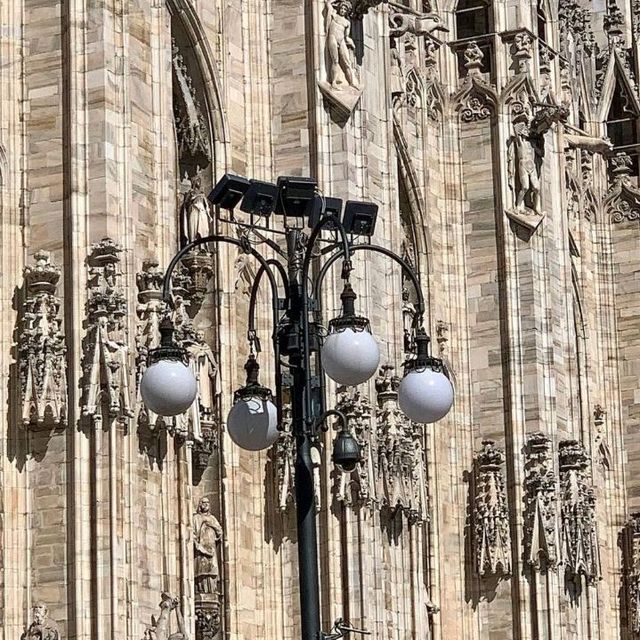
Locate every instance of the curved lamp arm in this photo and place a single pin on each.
(264, 267)
(256, 287)
(247, 248)
(406, 268)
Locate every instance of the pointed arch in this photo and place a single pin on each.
(615, 72)
(519, 87)
(475, 100)
(199, 58)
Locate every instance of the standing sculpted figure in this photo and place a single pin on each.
(204, 367)
(41, 628)
(207, 537)
(525, 153)
(339, 44)
(195, 214)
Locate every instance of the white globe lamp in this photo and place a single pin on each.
(253, 420)
(168, 387)
(350, 354)
(425, 394)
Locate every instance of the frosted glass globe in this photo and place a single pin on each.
(253, 423)
(350, 357)
(168, 388)
(426, 395)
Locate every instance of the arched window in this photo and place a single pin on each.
(622, 125)
(473, 19)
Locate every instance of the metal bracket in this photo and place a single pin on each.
(341, 629)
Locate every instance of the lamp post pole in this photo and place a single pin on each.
(350, 354)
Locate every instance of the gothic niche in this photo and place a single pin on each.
(491, 533)
(402, 472)
(42, 350)
(207, 545)
(579, 540)
(106, 354)
(541, 535)
(194, 148)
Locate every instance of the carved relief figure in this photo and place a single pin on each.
(195, 213)
(41, 628)
(340, 45)
(207, 538)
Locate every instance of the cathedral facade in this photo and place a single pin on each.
(500, 141)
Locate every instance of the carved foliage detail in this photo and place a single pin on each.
(106, 355)
(491, 517)
(401, 455)
(541, 534)
(578, 515)
(622, 203)
(43, 367)
(357, 487)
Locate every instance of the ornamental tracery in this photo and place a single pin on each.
(42, 348)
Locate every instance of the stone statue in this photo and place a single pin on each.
(161, 628)
(195, 213)
(204, 367)
(41, 628)
(525, 155)
(207, 536)
(339, 44)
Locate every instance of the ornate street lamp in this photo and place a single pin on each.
(349, 354)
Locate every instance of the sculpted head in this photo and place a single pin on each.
(204, 506)
(343, 9)
(40, 613)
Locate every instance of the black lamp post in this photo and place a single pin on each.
(350, 353)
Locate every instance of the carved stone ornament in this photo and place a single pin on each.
(160, 628)
(283, 454)
(575, 28)
(402, 473)
(476, 99)
(522, 51)
(622, 202)
(150, 310)
(43, 365)
(106, 354)
(357, 488)
(541, 528)
(41, 627)
(579, 540)
(633, 573)
(207, 544)
(191, 128)
(492, 539)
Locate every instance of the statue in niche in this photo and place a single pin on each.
(525, 158)
(195, 213)
(204, 367)
(42, 628)
(340, 45)
(207, 537)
